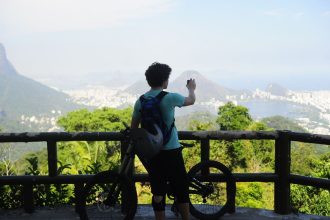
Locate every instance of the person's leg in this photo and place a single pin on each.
(160, 215)
(179, 182)
(158, 204)
(158, 186)
(184, 210)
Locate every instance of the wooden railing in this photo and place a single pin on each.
(282, 178)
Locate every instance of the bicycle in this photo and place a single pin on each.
(212, 191)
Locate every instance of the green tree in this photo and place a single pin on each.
(104, 119)
(259, 154)
(313, 200)
(10, 195)
(6, 166)
(232, 117)
(49, 194)
(250, 195)
(302, 158)
(84, 154)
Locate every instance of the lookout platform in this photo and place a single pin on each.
(145, 212)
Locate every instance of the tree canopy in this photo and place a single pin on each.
(231, 117)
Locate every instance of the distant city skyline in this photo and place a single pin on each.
(240, 44)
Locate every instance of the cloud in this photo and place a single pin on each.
(284, 13)
(326, 14)
(273, 13)
(62, 15)
(298, 15)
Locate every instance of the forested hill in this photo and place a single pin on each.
(282, 123)
(275, 122)
(20, 95)
(188, 122)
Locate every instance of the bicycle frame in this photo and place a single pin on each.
(127, 160)
(123, 170)
(199, 188)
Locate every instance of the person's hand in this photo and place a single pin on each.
(191, 84)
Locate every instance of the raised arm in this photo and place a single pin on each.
(190, 99)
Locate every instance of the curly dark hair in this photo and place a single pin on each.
(157, 74)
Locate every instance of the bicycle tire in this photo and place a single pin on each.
(96, 192)
(201, 210)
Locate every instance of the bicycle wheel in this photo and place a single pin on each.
(211, 195)
(102, 197)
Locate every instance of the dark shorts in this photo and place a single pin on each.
(168, 165)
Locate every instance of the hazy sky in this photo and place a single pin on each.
(226, 40)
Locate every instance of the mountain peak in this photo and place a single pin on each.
(277, 89)
(6, 68)
(2, 52)
(190, 74)
(206, 89)
(23, 96)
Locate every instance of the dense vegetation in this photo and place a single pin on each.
(239, 156)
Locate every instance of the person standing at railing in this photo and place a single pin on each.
(168, 164)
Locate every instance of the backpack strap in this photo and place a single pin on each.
(142, 98)
(169, 131)
(159, 98)
(161, 95)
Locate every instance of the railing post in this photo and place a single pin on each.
(282, 169)
(52, 158)
(205, 150)
(28, 200)
(205, 153)
(78, 188)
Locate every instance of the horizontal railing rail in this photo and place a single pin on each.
(282, 178)
(183, 135)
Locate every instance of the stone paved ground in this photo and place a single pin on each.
(145, 213)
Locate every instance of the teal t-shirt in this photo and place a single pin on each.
(167, 108)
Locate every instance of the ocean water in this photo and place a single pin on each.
(261, 109)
